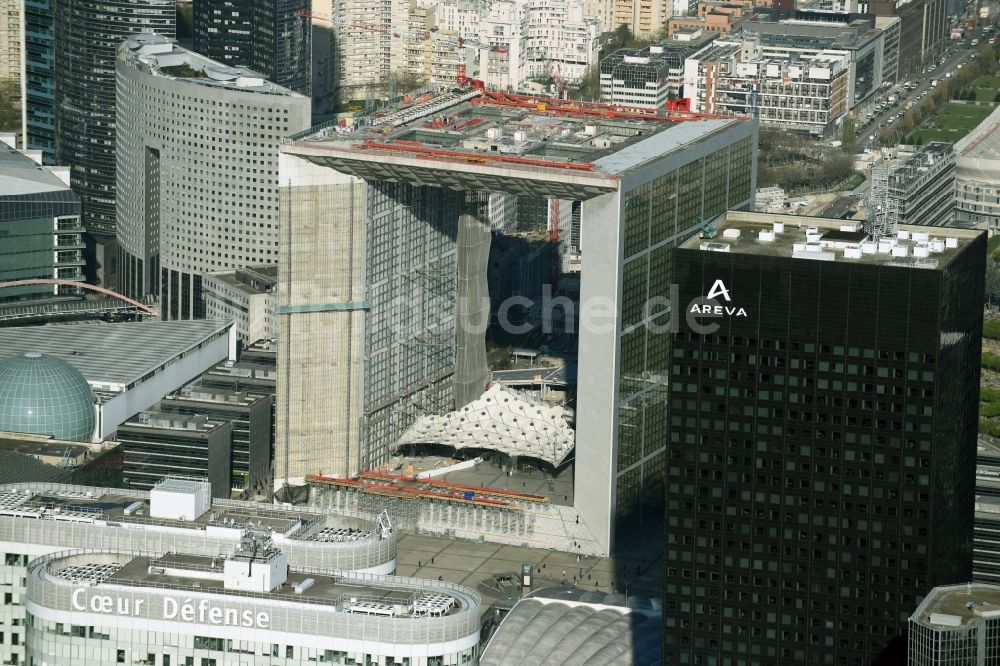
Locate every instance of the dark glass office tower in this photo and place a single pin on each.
(87, 35)
(223, 30)
(39, 30)
(268, 36)
(822, 442)
(282, 48)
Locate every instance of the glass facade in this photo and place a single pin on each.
(40, 238)
(39, 31)
(64, 644)
(87, 35)
(157, 445)
(47, 396)
(282, 43)
(268, 36)
(821, 454)
(658, 216)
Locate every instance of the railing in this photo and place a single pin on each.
(155, 535)
(303, 615)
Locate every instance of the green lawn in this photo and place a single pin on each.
(950, 123)
(986, 88)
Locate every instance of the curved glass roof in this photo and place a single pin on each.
(47, 396)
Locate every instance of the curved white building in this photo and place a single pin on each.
(977, 176)
(197, 163)
(170, 609)
(179, 516)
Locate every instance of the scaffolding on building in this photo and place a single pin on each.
(881, 211)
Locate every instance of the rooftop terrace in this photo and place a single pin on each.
(825, 239)
(106, 506)
(471, 139)
(958, 605)
(162, 57)
(201, 573)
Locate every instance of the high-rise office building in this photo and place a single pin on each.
(87, 36)
(40, 232)
(382, 275)
(197, 147)
(223, 31)
(40, 86)
(822, 437)
(12, 58)
(269, 36)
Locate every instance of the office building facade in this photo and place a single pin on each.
(923, 185)
(250, 418)
(245, 295)
(158, 444)
(977, 176)
(808, 93)
(245, 607)
(222, 132)
(956, 624)
(268, 36)
(87, 36)
(397, 346)
(12, 58)
(645, 78)
(40, 228)
(821, 462)
(40, 519)
(40, 88)
(223, 31)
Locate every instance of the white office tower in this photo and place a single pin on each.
(197, 150)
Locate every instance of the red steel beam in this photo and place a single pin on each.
(475, 157)
(596, 109)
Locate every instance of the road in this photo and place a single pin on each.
(868, 130)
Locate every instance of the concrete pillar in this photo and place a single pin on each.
(321, 311)
(472, 309)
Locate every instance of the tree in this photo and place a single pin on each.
(993, 282)
(906, 124)
(590, 84)
(837, 167)
(884, 136)
(848, 136)
(623, 35)
(10, 106)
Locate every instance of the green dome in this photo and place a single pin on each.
(47, 396)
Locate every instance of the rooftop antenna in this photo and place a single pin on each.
(881, 212)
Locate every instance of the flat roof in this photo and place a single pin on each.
(827, 239)
(45, 501)
(21, 175)
(231, 279)
(165, 58)
(472, 139)
(346, 592)
(120, 353)
(43, 445)
(958, 605)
